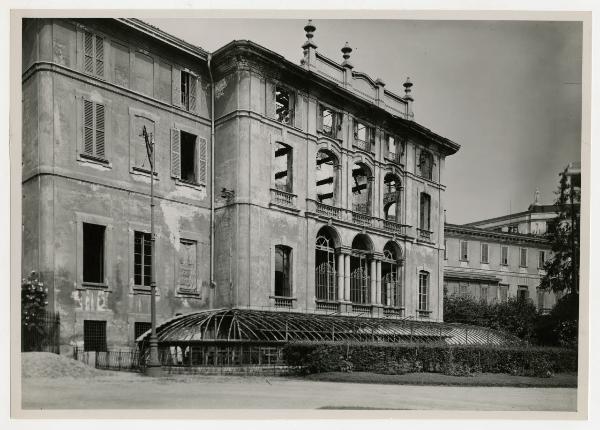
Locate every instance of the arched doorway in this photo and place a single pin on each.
(327, 167)
(326, 265)
(392, 294)
(360, 272)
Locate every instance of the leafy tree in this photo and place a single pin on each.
(562, 271)
(33, 301)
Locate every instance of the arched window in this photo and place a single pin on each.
(326, 177)
(360, 276)
(283, 271)
(361, 188)
(325, 266)
(425, 164)
(391, 197)
(391, 279)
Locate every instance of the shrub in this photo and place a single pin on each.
(390, 358)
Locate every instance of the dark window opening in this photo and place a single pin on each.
(94, 335)
(93, 253)
(542, 259)
(283, 105)
(282, 167)
(426, 165)
(142, 253)
(331, 122)
(140, 328)
(522, 293)
(185, 90)
(361, 188)
(326, 177)
(423, 291)
(464, 251)
(504, 256)
(188, 158)
(523, 259)
(425, 212)
(484, 253)
(283, 287)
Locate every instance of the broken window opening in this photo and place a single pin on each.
(282, 167)
(188, 158)
(425, 212)
(364, 133)
(331, 122)
(283, 285)
(362, 188)
(426, 164)
(142, 259)
(326, 177)
(93, 253)
(284, 102)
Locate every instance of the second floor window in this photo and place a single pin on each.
(282, 167)
(93, 253)
(188, 91)
(484, 253)
(541, 259)
(93, 129)
(504, 256)
(188, 157)
(93, 54)
(364, 135)
(464, 250)
(142, 259)
(425, 212)
(331, 122)
(425, 164)
(523, 257)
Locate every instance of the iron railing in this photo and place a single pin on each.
(121, 359)
(41, 333)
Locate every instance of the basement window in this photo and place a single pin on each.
(94, 335)
(93, 253)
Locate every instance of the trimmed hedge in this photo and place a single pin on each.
(390, 358)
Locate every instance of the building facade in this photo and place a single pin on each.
(495, 266)
(328, 194)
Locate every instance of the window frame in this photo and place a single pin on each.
(523, 252)
(289, 185)
(423, 195)
(142, 275)
(102, 281)
(423, 295)
(423, 155)
(102, 326)
(369, 134)
(287, 256)
(94, 57)
(291, 108)
(464, 256)
(487, 253)
(80, 219)
(541, 258)
(336, 121)
(201, 159)
(502, 262)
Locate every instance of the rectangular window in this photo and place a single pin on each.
(425, 212)
(541, 259)
(93, 54)
(143, 74)
(282, 167)
(188, 91)
(464, 250)
(93, 253)
(331, 122)
(284, 105)
(142, 259)
(485, 291)
(140, 328)
(504, 256)
(540, 298)
(523, 257)
(283, 287)
(364, 135)
(93, 130)
(188, 157)
(484, 253)
(188, 265)
(121, 64)
(522, 292)
(463, 290)
(94, 335)
(423, 291)
(425, 164)
(503, 293)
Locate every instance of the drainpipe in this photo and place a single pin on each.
(212, 185)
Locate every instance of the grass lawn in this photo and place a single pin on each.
(568, 380)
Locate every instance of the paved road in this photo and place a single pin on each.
(229, 392)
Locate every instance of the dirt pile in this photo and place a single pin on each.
(48, 365)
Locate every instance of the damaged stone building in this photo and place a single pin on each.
(281, 186)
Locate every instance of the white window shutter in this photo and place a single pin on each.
(99, 55)
(100, 126)
(88, 52)
(193, 93)
(176, 86)
(202, 163)
(88, 127)
(175, 153)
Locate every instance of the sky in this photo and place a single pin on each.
(509, 92)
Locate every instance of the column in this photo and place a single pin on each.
(347, 277)
(373, 273)
(340, 276)
(379, 283)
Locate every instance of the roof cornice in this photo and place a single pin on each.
(464, 231)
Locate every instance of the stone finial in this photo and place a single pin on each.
(310, 29)
(346, 50)
(536, 199)
(380, 82)
(407, 89)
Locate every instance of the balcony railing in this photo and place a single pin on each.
(329, 211)
(390, 197)
(424, 234)
(283, 302)
(363, 145)
(393, 312)
(394, 227)
(361, 309)
(395, 158)
(362, 219)
(283, 198)
(326, 306)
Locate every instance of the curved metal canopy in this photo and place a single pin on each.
(261, 326)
